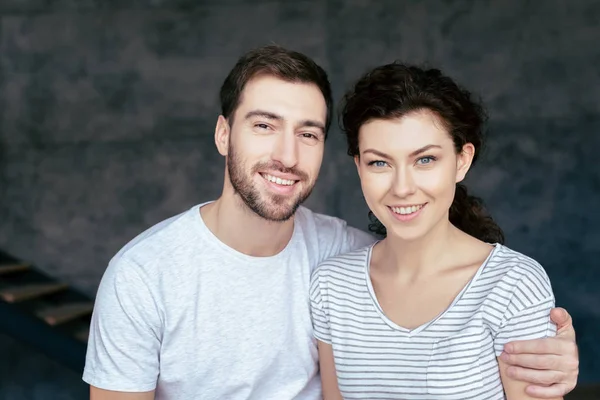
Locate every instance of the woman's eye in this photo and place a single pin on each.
(426, 160)
(378, 163)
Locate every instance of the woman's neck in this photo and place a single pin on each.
(418, 258)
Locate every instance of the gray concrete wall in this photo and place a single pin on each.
(107, 111)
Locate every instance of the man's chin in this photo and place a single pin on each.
(279, 213)
(277, 209)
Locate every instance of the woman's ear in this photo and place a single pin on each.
(464, 160)
(357, 163)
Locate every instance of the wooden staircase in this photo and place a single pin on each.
(43, 312)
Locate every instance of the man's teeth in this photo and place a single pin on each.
(278, 181)
(406, 210)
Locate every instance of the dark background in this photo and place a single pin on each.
(107, 113)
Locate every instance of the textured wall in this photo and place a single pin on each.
(108, 109)
(26, 375)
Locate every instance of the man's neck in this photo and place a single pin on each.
(233, 223)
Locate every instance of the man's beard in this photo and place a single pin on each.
(277, 208)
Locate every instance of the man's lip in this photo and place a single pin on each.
(288, 177)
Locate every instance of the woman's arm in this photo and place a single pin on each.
(514, 389)
(331, 390)
(549, 366)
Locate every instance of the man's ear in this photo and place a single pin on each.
(222, 133)
(464, 160)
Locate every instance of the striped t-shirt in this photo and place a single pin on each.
(451, 357)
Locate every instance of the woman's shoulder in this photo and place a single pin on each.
(514, 277)
(508, 261)
(352, 263)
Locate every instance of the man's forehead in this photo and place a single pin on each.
(288, 100)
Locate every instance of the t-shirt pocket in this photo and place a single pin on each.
(453, 367)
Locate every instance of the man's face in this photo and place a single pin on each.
(276, 145)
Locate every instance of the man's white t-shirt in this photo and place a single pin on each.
(180, 312)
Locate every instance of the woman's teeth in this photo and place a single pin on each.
(406, 210)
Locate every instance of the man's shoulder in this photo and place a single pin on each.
(163, 237)
(332, 232)
(306, 215)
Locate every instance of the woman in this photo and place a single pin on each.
(425, 312)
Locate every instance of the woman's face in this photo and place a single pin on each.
(408, 169)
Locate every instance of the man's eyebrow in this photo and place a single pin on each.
(264, 114)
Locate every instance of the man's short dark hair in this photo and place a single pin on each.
(275, 61)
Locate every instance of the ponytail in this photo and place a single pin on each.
(466, 213)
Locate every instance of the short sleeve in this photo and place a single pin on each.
(528, 313)
(125, 332)
(319, 316)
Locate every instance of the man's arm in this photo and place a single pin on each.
(101, 394)
(551, 365)
(122, 360)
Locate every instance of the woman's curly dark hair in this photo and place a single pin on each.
(394, 90)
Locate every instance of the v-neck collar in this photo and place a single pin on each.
(419, 329)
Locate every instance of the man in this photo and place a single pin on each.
(213, 303)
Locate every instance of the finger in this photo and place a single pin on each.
(560, 316)
(535, 361)
(564, 323)
(548, 392)
(545, 346)
(539, 377)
